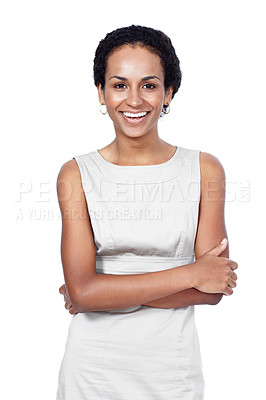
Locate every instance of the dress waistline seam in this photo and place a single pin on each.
(142, 258)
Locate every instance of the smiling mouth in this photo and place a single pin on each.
(135, 115)
(134, 118)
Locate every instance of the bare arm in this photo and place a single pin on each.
(211, 229)
(186, 298)
(88, 290)
(114, 292)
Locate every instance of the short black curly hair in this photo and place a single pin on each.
(155, 40)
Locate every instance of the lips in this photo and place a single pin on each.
(134, 115)
(135, 120)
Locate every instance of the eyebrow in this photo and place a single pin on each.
(146, 78)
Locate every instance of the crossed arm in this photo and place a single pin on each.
(210, 230)
(181, 299)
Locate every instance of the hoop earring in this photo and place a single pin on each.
(166, 108)
(101, 109)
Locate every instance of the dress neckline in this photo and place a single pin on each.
(103, 160)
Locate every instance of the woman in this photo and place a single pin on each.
(141, 237)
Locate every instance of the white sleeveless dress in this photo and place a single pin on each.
(144, 219)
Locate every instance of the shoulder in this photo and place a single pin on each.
(69, 170)
(211, 166)
(213, 181)
(69, 183)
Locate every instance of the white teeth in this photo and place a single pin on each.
(131, 115)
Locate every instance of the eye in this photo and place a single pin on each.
(118, 86)
(150, 86)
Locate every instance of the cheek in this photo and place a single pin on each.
(114, 98)
(155, 99)
(158, 105)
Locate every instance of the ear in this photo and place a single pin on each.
(100, 93)
(168, 95)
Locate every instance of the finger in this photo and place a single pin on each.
(228, 291)
(233, 265)
(232, 283)
(72, 311)
(234, 276)
(68, 305)
(218, 249)
(62, 289)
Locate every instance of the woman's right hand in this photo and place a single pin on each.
(68, 305)
(213, 274)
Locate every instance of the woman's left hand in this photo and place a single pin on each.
(68, 305)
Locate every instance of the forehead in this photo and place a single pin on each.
(133, 60)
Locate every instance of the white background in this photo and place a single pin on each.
(50, 112)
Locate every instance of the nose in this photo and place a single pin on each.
(134, 98)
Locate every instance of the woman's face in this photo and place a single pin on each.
(134, 84)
